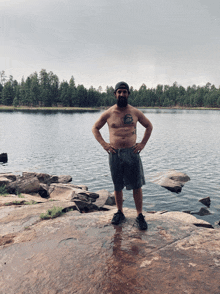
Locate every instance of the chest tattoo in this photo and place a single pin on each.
(127, 119)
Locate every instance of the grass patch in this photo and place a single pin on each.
(20, 195)
(31, 202)
(18, 202)
(52, 213)
(27, 228)
(3, 190)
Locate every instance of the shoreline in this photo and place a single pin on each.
(61, 108)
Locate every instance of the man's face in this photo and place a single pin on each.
(122, 97)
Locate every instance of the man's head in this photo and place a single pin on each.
(121, 93)
(122, 85)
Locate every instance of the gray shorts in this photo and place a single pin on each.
(126, 169)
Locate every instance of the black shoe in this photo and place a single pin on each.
(118, 218)
(141, 222)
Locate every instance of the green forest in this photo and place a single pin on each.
(45, 90)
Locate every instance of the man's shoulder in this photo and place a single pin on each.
(108, 112)
(133, 109)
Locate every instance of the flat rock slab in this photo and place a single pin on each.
(84, 253)
(16, 218)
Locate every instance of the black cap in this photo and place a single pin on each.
(122, 85)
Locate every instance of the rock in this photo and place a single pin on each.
(84, 253)
(83, 206)
(4, 181)
(31, 182)
(84, 195)
(203, 211)
(43, 191)
(60, 179)
(83, 187)
(206, 201)
(42, 177)
(64, 179)
(171, 180)
(9, 176)
(187, 218)
(61, 192)
(16, 218)
(12, 199)
(24, 185)
(172, 185)
(105, 198)
(4, 157)
(48, 179)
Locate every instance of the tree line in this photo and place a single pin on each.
(45, 89)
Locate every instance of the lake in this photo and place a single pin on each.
(57, 142)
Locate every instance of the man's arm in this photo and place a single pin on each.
(95, 129)
(148, 125)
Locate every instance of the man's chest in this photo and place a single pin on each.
(122, 120)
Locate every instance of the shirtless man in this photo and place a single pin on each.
(124, 159)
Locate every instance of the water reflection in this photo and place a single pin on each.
(123, 274)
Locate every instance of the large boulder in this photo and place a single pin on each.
(24, 185)
(171, 180)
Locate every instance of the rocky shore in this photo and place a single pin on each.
(57, 237)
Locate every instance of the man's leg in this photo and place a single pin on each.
(138, 199)
(118, 216)
(119, 200)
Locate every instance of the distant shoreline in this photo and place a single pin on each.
(4, 107)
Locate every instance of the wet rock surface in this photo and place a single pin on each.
(84, 253)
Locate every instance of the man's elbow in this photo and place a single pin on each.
(94, 129)
(150, 128)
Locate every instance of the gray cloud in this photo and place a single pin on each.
(100, 42)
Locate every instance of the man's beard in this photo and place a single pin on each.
(122, 102)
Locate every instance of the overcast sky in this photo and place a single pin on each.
(101, 42)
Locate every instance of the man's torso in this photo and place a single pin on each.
(122, 127)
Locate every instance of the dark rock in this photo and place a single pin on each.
(48, 179)
(206, 201)
(203, 211)
(24, 185)
(187, 211)
(84, 195)
(83, 206)
(4, 157)
(43, 191)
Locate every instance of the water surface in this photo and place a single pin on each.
(62, 143)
